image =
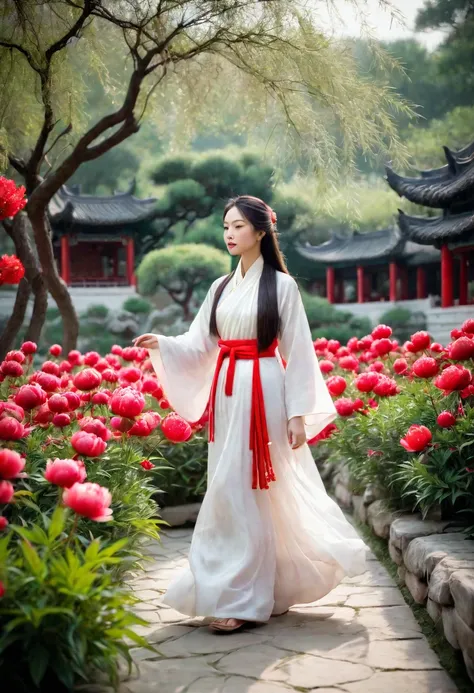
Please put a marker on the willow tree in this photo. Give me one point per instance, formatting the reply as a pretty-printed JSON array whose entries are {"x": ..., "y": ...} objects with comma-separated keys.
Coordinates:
[{"x": 184, "y": 61}]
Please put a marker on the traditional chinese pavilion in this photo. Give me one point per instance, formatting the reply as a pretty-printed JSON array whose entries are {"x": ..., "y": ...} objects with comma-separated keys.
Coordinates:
[
  {"x": 420, "y": 257},
  {"x": 94, "y": 237}
]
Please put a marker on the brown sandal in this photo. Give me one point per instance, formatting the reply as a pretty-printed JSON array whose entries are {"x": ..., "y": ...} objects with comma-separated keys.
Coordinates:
[{"x": 223, "y": 629}]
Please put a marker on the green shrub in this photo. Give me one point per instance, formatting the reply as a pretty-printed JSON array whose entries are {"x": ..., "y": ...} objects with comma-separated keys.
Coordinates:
[
  {"x": 97, "y": 311},
  {"x": 137, "y": 304},
  {"x": 403, "y": 322}
]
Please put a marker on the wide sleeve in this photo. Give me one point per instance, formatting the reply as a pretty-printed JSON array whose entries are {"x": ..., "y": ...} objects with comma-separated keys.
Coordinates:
[
  {"x": 185, "y": 364},
  {"x": 306, "y": 393}
]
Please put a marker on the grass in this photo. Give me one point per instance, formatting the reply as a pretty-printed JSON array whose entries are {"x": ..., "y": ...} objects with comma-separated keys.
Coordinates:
[{"x": 450, "y": 659}]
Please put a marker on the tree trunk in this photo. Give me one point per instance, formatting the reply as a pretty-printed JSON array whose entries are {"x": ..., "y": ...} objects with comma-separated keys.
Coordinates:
[
  {"x": 56, "y": 286},
  {"x": 15, "y": 320},
  {"x": 18, "y": 232}
]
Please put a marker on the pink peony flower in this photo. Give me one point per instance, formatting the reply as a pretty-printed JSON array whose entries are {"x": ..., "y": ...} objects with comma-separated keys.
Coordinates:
[
  {"x": 61, "y": 420},
  {"x": 88, "y": 444},
  {"x": 11, "y": 369},
  {"x": 65, "y": 473},
  {"x": 51, "y": 367},
  {"x": 95, "y": 426},
  {"x": 47, "y": 381},
  {"x": 416, "y": 439},
  {"x": 11, "y": 429},
  {"x": 30, "y": 396},
  {"x": 89, "y": 500},
  {"x": 88, "y": 379},
  {"x": 11, "y": 464},
  {"x": 58, "y": 403}
]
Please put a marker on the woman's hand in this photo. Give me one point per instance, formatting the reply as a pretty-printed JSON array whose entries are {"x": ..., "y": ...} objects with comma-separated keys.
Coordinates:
[
  {"x": 296, "y": 432},
  {"x": 146, "y": 341}
]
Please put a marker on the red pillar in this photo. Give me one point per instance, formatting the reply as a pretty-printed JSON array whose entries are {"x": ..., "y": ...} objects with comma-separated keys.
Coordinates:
[
  {"x": 463, "y": 279},
  {"x": 65, "y": 260},
  {"x": 360, "y": 285},
  {"x": 420, "y": 282},
  {"x": 447, "y": 295},
  {"x": 404, "y": 283},
  {"x": 130, "y": 261},
  {"x": 393, "y": 272},
  {"x": 331, "y": 284}
]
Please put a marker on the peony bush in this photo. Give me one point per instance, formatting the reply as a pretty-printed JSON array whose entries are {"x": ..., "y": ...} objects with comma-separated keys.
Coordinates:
[
  {"x": 406, "y": 418},
  {"x": 82, "y": 438}
]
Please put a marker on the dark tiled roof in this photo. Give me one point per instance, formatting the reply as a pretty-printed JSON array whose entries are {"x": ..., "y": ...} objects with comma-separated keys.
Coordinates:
[
  {"x": 444, "y": 188},
  {"x": 358, "y": 247},
  {"x": 456, "y": 160},
  {"x": 70, "y": 207},
  {"x": 437, "y": 230}
]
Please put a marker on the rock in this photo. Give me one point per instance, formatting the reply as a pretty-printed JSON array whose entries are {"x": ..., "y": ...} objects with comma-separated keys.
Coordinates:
[
  {"x": 438, "y": 587},
  {"x": 343, "y": 495},
  {"x": 424, "y": 553},
  {"x": 418, "y": 588},
  {"x": 177, "y": 515},
  {"x": 401, "y": 572},
  {"x": 461, "y": 585},
  {"x": 395, "y": 554},
  {"x": 465, "y": 636},
  {"x": 449, "y": 626},
  {"x": 434, "y": 610},
  {"x": 408, "y": 527},
  {"x": 371, "y": 494},
  {"x": 360, "y": 510},
  {"x": 327, "y": 470},
  {"x": 380, "y": 517}
]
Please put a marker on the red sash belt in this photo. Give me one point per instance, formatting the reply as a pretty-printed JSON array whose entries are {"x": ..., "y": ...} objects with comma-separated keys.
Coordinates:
[{"x": 262, "y": 470}]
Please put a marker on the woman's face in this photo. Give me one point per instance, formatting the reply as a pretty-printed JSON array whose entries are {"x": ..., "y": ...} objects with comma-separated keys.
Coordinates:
[{"x": 239, "y": 234}]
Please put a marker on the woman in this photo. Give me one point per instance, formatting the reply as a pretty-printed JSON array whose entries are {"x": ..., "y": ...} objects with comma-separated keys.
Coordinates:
[{"x": 268, "y": 536}]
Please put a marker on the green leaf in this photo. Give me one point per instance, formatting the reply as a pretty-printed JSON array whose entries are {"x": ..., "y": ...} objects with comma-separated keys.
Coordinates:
[
  {"x": 57, "y": 523},
  {"x": 32, "y": 558},
  {"x": 38, "y": 659}
]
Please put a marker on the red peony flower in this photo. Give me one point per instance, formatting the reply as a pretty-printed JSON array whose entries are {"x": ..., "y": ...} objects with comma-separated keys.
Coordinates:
[
  {"x": 164, "y": 404},
  {"x": 381, "y": 347},
  {"x": 425, "y": 367},
  {"x": 73, "y": 399},
  {"x": 11, "y": 269},
  {"x": 65, "y": 473},
  {"x": 61, "y": 420},
  {"x": 326, "y": 366},
  {"x": 116, "y": 349},
  {"x": 421, "y": 340},
  {"x": 88, "y": 444},
  {"x": 385, "y": 387},
  {"x": 11, "y": 429},
  {"x": 382, "y": 332},
  {"x": 2, "y": 589},
  {"x": 349, "y": 363},
  {"x": 15, "y": 355},
  {"x": 92, "y": 358},
  {"x": 11, "y": 369},
  {"x": 9, "y": 408},
  {"x": 89, "y": 500},
  {"x": 333, "y": 345},
  {"x": 376, "y": 366},
  {"x": 365, "y": 382},
  {"x": 468, "y": 326},
  {"x": 453, "y": 378},
  {"x": 461, "y": 350},
  {"x": 344, "y": 406},
  {"x": 336, "y": 385},
  {"x": 400, "y": 366},
  {"x": 130, "y": 375},
  {"x": 29, "y": 348},
  {"x": 109, "y": 375},
  {"x": 58, "y": 403},
  {"x": 12, "y": 198},
  {"x": 129, "y": 353},
  {"x": 145, "y": 424},
  {"x": 455, "y": 334},
  {"x": 88, "y": 379},
  {"x": 121, "y": 424},
  {"x": 417, "y": 438},
  {"x": 353, "y": 344},
  {"x": 48, "y": 382},
  {"x": 146, "y": 464},
  {"x": 127, "y": 402},
  {"x": 11, "y": 464},
  {"x": 101, "y": 397},
  {"x": 175, "y": 428},
  {"x": 320, "y": 345},
  {"x": 6, "y": 491},
  {"x": 3, "y": 524},
  {"x": 467, "y": 392},
  {"x": 446, "y": 419},
  {"x": 437, "y": 347},
  {"x": 44, "y": 415},
  {"x": 51, "y": 367},
  {"x": 55, "y": 350}
]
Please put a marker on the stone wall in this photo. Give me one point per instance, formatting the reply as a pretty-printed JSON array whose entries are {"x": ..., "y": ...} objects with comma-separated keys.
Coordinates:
[{"x": 435, "y": 562}]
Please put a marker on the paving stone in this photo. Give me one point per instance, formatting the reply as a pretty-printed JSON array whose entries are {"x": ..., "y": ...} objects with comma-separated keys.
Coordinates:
[
  {"x": 169, "y": 675},
  {"x": 307, "y": 671},
  {"x": 388, "y": 623},
  {"x": 239, "y": 684},
  {"x": 203, "y": 641},
  {"x": 388, "y": 596},
  {"x": 403, "y": 682}
]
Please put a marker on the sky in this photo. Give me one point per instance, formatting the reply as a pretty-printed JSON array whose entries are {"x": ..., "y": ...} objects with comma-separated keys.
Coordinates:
[{"x": 346, "y": 20}]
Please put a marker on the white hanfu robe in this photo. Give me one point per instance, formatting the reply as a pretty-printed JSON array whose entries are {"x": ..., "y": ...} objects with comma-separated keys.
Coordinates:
[{"x": 257, "y": 552}]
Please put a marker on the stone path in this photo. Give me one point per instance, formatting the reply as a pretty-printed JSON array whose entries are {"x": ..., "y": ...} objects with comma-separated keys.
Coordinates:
[{"x": 361, "y": 638}]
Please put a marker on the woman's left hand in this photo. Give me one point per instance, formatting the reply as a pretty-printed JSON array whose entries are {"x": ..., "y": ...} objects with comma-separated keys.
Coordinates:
[{"x": 296, "y": 432}]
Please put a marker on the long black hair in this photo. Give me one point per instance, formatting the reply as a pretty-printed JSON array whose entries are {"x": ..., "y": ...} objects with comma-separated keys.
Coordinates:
[{"x": 259, "y": 215}]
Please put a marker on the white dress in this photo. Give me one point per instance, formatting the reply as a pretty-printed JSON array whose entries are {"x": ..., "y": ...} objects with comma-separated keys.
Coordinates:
[{"x": 257, "y": 552}]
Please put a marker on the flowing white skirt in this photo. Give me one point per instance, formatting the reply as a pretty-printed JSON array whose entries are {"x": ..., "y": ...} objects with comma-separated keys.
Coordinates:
[{"x": 258, "y": 552}]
